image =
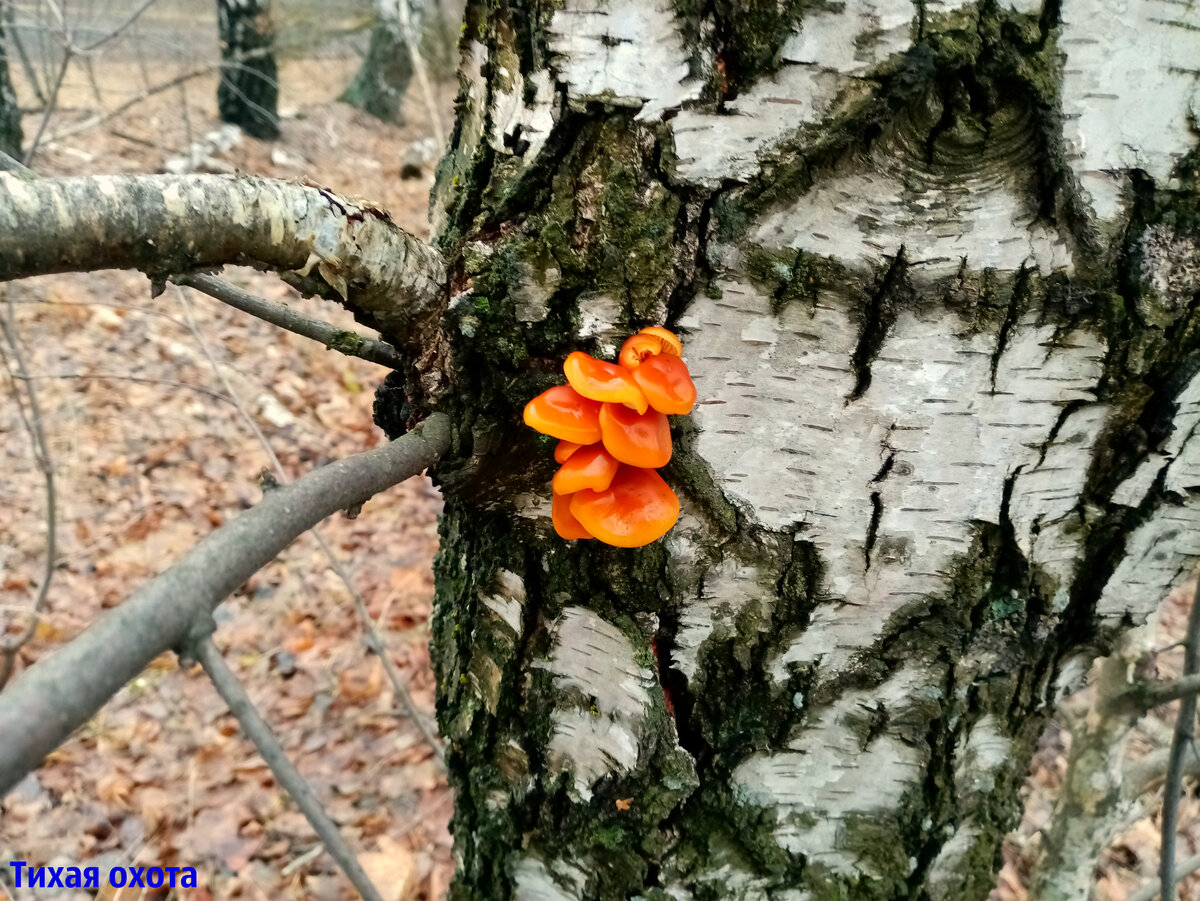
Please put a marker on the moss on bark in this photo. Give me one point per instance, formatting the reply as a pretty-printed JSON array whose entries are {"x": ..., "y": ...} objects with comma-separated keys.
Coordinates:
[{"x": 594, "y": 238}]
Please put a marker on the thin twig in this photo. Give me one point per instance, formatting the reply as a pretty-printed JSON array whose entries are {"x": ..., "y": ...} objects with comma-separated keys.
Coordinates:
[
  {"x": 14, "y": 37},
  {"x": 1152, "y": 890},
  {"x": 372, "y": 638},
  {"x": 347, "y": 342},
  {"x": 118, "y": 31},
  {"x": 303, "y": 860},
  {"x": 285, "y": 771},
  {"x": 1184, "y": 728},
  {"x": 41, "y": 454},
  {"x": 62, "y": 691},
  {"x": 101, "y": 118},
  {"x": 1144, "y": 696},
  {"x": 375, "y": 643},
  {"x": 121, "y": 377},
  {"x": 12, "y": 164},
  {"x": 49, "y": 111},
  {"x": 414, "y": 50}
]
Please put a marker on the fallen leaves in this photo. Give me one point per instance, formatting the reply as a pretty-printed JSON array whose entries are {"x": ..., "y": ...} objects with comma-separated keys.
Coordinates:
[
  {"x": 392, "y": 869},
  {"x": 164, "y": 775}
]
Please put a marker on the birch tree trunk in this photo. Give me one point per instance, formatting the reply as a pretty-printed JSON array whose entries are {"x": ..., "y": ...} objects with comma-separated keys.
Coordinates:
[
  {"x": 936, "y": 268},
  {"x": 248, "y": 94},
  {"x": 10, "y": 111},
  {"x": 382, "y": 80}
]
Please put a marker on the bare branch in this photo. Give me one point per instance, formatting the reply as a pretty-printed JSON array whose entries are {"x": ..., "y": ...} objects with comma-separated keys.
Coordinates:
[
  {"x": 319, "y": 241},
  {"x": 374, "y": 641},
  {"x": 1092, "y": 805},
  {"x": 60, "y": 693},
  {"x": 117, "y": 31},
  {"x": 41, "y": 453},
  {"x": 412, "y": 38},
  {"x": 15, "y": 38},
  {"x": 349, "y": 343},
  {"x": 1146, "y": 774},
  {"x": 276, "y": 758},
  {"x": 11, "y": 164},
  {"x": 100, "y": 118},
  {"x": 1143, "y": 696},
  {"x": 1152, "y": 890},
  {"x": 50, "y": 104},
  {"x": 1185, "y": 724},
  {"x": 120, "y": 377}
]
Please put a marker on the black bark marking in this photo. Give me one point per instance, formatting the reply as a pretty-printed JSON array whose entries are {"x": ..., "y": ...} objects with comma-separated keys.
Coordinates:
[
  {"x": 873, "y": 526},
  {"x": 877, "y": 318},
  {"x": 1011, "y": 314}
]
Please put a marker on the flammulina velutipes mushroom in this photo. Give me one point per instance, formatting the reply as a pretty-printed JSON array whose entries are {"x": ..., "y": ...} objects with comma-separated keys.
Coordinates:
[{"x": 611, "y": 422}]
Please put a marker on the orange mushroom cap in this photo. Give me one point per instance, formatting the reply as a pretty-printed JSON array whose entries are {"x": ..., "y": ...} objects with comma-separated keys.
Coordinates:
[
  {"x": 565, "y": 523},
  {"x": 602, "y": 381},
  {"x": 637, "y": 348},
  {"x": 592, "y": 467},
  {"x": 562, "y": 413},
  {"x": 670, "y": 341},
  {"x": 564, "y": 449},
  {"x": 638, "y": 508},
  {"x": 667, "y": 384},
  {"x": 639, "y": 439}
]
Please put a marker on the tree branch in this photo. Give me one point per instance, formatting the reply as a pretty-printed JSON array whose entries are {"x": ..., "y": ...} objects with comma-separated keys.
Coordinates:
[
  {"x": 41, "y": 453},
  {"x": 1184, "y": 729},
  {"x": 349, "y": 343},
  {"x": 319, "y": 241},
  {"x": 1152, "y": 890},
  {"x": 276, "y": 758},
  {"x": 375, "y": 643},
  {"x": 1141, "y": 697},
  {"x": 1092, "y": 804},
  {"x": 60, "y": 693},
  {"x": 9, "y": 164}
]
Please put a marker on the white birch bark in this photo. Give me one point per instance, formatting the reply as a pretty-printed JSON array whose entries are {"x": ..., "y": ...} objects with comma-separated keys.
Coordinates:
[{"x": 888, "y": 424}]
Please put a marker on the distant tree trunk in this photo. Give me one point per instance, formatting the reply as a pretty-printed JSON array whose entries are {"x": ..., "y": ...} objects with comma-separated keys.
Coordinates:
[
  {"x": 937, "y": 268},
  {"x": 248, "y": 95},
  {"x": 382, "y": 80},
  {"x": 10, "y": 112}
]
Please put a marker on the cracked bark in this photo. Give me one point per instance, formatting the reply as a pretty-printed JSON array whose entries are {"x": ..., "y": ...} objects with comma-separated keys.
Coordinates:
[
  {"x": 911, "y": 331},
  {"x": 319, "y": 241}
]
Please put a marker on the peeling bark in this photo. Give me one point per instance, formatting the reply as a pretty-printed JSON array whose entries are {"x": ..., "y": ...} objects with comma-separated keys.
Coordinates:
[
  {"x": 319, "y": 241},
  {"x": 943, "y": 449}
]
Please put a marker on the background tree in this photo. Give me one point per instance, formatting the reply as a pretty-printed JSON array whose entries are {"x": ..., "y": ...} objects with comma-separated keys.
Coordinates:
[
  {"x": 382, "y": 80},
  {"x": 936, "y": 266},
  {"x": 248, "y": 94},
  {"x": 10, "y": 112}
]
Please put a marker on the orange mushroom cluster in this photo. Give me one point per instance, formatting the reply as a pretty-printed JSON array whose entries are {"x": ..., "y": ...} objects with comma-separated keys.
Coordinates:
[{"x": 611, "y": 422}]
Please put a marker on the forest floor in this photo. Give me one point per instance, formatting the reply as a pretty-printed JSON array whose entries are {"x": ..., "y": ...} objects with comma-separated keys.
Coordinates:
[{"x": 150, "y": 453}]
